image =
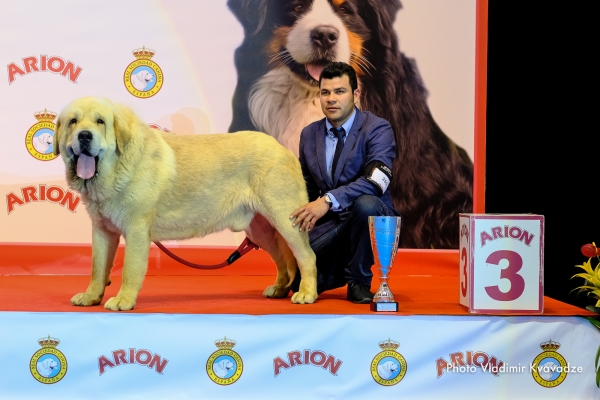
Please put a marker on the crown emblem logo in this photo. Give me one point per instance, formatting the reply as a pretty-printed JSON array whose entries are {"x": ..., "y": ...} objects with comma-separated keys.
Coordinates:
[
  {"x": 389, "y": 366},
  {"x": 389, "y": 345},
  {"x": 224, "y": 366},
  {"x": 143, "y": 78},
  {"x": 48, "y": 342},
  {"x": 45, "y": 116},
  {"x": 545, "y": 366},
  {"x": 143, "y": 53},
  {"x": 225, "y": 344},
  {"x": 550, "y": 345},
  {"x": 48, "y": 365}
]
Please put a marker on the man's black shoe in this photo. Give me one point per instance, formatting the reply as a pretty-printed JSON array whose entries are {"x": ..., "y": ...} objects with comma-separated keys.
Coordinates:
[{"x": 359, "y": 294}]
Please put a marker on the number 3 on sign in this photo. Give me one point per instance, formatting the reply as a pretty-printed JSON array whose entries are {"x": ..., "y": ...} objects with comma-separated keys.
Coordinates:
[{"x": 517, "y": 283}]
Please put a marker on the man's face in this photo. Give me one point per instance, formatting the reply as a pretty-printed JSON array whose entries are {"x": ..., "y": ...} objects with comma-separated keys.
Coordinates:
[{"x": 337, "y": 99}]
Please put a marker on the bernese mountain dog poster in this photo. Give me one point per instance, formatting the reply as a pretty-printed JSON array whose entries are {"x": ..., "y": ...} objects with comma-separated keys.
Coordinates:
[{"x": 286, "y": 45}]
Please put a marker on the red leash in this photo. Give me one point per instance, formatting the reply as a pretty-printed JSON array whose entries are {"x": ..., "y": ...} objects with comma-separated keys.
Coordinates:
[{"x": 245, "y": 247}]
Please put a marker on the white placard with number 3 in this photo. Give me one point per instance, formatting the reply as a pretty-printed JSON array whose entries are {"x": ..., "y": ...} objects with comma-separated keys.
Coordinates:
[{"x": 501, "y": 263}]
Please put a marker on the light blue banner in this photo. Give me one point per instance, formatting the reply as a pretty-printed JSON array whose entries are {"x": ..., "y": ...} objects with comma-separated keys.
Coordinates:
[{"x": 99, "y": 355}]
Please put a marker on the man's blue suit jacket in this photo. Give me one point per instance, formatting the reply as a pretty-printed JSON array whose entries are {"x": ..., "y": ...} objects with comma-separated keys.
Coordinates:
[{"x": 370, "y": 139}]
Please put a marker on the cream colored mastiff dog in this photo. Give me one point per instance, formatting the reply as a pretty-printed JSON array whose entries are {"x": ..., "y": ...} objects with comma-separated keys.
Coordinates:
[{"x": 149, "y": 186}]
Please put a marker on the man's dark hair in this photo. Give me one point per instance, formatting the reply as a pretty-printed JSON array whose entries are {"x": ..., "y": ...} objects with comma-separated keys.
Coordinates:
[{"x": 337, "y": 70}]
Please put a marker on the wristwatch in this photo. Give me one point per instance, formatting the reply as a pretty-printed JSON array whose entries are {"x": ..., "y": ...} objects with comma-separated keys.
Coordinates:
[{"x": 327, "y": 200}]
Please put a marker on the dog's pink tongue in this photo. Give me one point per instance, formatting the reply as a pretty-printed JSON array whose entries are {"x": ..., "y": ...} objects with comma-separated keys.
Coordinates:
[
  {"x": 314, "y": 70},
  {"x": 86, "y": 166}
]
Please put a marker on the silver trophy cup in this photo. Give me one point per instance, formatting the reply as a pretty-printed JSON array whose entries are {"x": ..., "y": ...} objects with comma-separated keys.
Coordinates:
[{"x": 385, "y": 232}]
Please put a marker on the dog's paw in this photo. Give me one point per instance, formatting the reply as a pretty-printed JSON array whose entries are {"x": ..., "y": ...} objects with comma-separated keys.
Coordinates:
[
  {"x": 304, "y": 297},
  {"x": 84, "y": 299},
  {"x": 119, "y": 304},
  {"x": 278, "y": 292}
]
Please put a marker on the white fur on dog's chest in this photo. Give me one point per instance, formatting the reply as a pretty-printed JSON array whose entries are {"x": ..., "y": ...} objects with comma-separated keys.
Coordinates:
[{"x": 281, "y": 105}]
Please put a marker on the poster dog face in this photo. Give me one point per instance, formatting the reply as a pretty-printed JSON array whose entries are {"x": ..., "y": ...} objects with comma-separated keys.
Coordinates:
[
  {"x": 148, "y": 185},
  {"x": 285, "y": 47}
]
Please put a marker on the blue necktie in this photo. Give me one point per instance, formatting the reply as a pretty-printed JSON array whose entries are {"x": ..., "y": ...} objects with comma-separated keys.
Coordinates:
[{"x": 339, "y": 133}]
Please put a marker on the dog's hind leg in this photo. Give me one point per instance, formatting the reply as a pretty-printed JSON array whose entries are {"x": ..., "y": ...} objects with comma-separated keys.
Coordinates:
[
  {"x": 298, "y": 245},
  {"x": 266, "y": 237},
  {"x": 305, "y": 257},
  {"x": 282, "y": 191},
  {"x": 104, "y": 249}
]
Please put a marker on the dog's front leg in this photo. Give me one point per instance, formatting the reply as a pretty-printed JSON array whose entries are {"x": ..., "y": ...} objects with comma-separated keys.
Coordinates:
[
  {"x": 135, "y": 264},
  {"x": 104, "y": 249}
]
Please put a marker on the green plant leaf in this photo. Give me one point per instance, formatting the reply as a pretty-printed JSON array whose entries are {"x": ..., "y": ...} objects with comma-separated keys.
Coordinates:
[
  {"x": 594, "y": 295},
  {"x": 584, "y": 288},
  {"x": 593, "y": 320}
]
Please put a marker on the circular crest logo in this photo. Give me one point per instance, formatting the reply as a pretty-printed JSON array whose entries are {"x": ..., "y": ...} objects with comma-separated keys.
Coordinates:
[
  {"x": 40, "y": 137},
  {"x": 388, "y": 367},
  {"x": 48, "y": 365},
  {"x": 549, "y": 367},
  {"x": 143, "y": 78},
  {"x": 224, "y": 366}
]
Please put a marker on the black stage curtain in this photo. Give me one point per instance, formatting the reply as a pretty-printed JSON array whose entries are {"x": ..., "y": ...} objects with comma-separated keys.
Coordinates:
[{"x": 541, "y": 143}]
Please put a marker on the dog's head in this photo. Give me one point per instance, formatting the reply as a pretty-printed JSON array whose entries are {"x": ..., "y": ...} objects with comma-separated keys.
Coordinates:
[
  {"x": 49, "y": 364},
  {"x": 46, "y": 367},
  {"x": 87, "y": 130},
  {"x": 43, "y": 142},
  {"x": 304, "y": 35},
  {"x": 141, "y": 79}
]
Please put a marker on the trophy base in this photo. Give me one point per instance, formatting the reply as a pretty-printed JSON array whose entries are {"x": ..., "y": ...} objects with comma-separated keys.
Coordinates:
[{"x": 384, "y": 306}]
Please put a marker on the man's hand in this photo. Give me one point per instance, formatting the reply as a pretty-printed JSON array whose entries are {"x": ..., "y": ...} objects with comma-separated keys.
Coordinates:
[{"x": 308, "y": 215}]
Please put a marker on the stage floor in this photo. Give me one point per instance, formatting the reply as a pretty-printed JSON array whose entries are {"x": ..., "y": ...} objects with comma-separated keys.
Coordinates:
[
  {"x": 44, "y": 278},
  {"x": 416, "y": 295}
]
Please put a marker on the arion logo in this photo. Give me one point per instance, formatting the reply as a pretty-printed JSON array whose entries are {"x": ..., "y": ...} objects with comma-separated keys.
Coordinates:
[
  {"x": 54, "y": 64},
  {"x": 132, "y": 356},
  {"x": 469, "y": 362},
  {"x": 316, "y": 358},
  {"x": 53, "y": 194}
]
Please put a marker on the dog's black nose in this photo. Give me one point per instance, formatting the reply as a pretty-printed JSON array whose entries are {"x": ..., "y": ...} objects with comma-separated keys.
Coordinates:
[
  {"x": 324, "y": 36},
  {"x": 85, "y": 137}
]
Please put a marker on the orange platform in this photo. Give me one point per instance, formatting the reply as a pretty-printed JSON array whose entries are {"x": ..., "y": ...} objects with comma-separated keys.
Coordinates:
[{"x": 42, "y": 278}]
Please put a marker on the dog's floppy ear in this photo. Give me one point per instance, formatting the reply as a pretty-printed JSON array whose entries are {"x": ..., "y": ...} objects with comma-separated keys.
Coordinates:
[
  {"x": 55, "y": 139},
  {"x": 123, "y": 120},
  {"x": 250, "y": 13},
  {"x": 386, "y": 59},
  {"x": 379, "y": 16}
]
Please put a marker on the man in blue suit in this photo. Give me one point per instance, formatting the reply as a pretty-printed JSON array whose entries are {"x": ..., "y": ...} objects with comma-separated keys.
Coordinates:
[{"x": 346, "y": 160}]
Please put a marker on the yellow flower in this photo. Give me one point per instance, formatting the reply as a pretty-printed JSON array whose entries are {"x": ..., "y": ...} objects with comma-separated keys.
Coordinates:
[{"x": 591, "y": 276}]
